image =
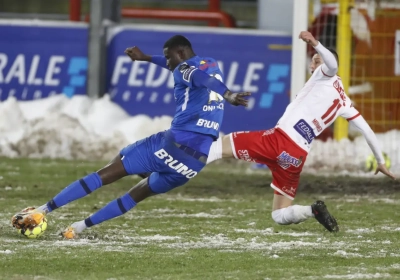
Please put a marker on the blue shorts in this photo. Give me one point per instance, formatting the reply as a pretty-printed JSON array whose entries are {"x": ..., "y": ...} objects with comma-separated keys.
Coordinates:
[{"x": 171, "y": 167}]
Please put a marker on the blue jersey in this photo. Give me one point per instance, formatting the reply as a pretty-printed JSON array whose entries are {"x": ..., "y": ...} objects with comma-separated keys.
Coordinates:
[
  {"x": 176, "y": 155},
  {"x": 198, "y": 109}
]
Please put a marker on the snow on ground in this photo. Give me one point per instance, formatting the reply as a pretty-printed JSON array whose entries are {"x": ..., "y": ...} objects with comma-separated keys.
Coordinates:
[
  {"x": 76, "y": 128},
  {"x": 84, "y": 128},
  {"x": 359, "y": 276}
]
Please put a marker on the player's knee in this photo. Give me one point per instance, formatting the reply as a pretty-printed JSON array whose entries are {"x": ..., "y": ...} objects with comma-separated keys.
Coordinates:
[{"x": 141, "y": 191}]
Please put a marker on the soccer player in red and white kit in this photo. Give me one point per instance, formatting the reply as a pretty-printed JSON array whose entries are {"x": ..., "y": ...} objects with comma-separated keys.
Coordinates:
[{"x": 284, "y": 148}]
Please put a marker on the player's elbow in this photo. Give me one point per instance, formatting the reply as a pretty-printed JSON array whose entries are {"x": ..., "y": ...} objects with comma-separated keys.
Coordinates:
[
  {"x": 333, "y": 68},
  {"x": 362, "y": 126},
  {"x": 329, "y": 70}
]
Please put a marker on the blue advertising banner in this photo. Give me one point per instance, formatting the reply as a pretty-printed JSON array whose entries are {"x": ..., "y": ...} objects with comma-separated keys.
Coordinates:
[
  {"x": 258, "y": 63},
  {"x": 39, "y": 61}
]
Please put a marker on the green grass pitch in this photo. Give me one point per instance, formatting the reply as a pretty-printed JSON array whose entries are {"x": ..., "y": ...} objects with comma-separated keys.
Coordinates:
[{"x": 218, "y": 226}]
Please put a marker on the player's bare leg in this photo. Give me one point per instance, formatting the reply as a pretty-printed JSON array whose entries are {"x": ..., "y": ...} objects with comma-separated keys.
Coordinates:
[
  {"x": 284, "y": 213},
  {"x": 110, "y": 173},
  {"x": 113, "y": 171},
  {"x": 221, "y": 148},
  {"x": 141, "y": 191},
  {"x": 280, "y": 202},
  {"x": 144, "y": 175}
]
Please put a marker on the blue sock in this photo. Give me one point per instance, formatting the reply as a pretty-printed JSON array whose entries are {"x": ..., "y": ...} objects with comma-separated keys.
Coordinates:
[
  {"x": 113, "y": 209},
  {"x": 77, "y": 189}
]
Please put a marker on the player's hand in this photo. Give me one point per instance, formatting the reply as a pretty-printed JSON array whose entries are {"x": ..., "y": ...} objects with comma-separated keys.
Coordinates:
[
  {"x": 308, "y": 38},
  {"x": 237, "y": 99},
  {"x": 382, "y": 168},
  {"x": 136, "y": 54}
]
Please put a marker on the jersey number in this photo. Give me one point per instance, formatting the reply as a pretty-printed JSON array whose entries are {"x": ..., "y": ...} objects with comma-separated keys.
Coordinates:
[{"x": 329, "y": 116}]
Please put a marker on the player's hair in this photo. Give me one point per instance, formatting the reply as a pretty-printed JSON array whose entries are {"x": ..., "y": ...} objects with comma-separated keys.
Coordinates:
[
  {"x": 334, "y": 53},
  {"x": 177, "y": 41}
]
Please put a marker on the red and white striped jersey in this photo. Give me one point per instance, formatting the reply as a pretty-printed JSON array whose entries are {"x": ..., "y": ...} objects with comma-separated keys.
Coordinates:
[{"x": 316, "y": 106}]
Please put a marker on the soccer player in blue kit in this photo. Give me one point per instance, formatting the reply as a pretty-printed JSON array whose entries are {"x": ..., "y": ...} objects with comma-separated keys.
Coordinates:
[{"x": 173, "y": 156}]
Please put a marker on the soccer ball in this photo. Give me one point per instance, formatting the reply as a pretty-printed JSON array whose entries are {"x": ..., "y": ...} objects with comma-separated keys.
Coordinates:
[
  {"x": 36, "y": 231},
  {"x": 371, "y": 163}
]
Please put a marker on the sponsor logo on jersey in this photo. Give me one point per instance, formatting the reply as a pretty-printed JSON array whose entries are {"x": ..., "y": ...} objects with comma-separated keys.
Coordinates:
[
  {"x": 213, "y": 96},
  {"x": 235, "y": 134},
  {"x": 208, "y": 124},
  {"x": 268, "y": 132},
  {"x": 204, "y": 66},
  {"x": 340, "y": 90},
  {"x": 208, "y": 108},
  {"x": 317, "y": 125},
  {"x": 244, "y": 155},
  {"x": 174, "y": 164},
  {"x": 289, "y": 190},
  {"x": 305, "y": 130},
  {"x": 285, "y": 160}
]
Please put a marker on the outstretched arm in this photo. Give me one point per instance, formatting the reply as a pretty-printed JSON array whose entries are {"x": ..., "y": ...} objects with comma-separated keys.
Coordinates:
[
  {"x": 136, "y": 54},
  {"x": 330, "y": 66},
  {"x": 360, "y": 123},
  {"x": 160, "y": 60}
]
